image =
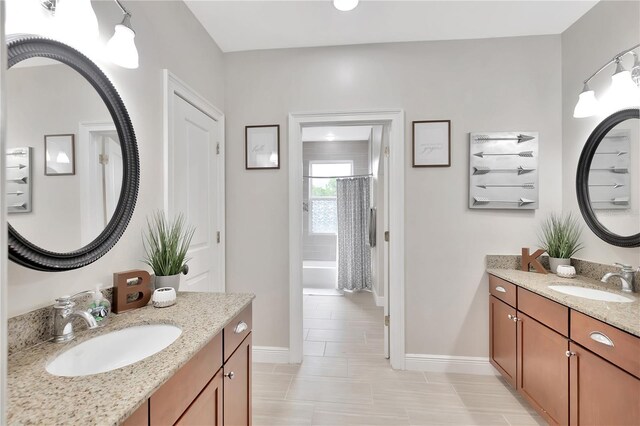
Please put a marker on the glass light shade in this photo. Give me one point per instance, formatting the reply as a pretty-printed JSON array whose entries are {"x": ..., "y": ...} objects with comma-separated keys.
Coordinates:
[
  {"x": 623, "y": 93},
  {"x": 345, "y": 5},
  {"x": 587, "y": 105},
  {"x": 76, "y": 20},
  {"x": 121, "y": 48}
]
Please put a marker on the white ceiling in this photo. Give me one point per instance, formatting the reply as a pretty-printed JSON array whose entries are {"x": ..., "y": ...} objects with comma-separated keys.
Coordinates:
[
  {"x": 252, "y": 25},
  {"x": 336, "y": 133}
]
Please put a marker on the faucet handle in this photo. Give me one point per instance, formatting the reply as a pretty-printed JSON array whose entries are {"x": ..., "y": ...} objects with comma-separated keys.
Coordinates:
[
  {"x": 68, "y": 300},
  {"x": 625, "y": 267}
]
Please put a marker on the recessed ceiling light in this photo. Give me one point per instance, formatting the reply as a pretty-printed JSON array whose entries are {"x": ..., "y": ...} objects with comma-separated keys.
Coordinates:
[
  {"x": 345, "y": 5},
  {"x": 331, "y": 137}
]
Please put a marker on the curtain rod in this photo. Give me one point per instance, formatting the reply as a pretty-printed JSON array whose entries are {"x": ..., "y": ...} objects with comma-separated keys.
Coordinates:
[{"x": 336, "y": 177}]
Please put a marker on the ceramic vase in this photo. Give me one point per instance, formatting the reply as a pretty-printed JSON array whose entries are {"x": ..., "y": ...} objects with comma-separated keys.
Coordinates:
[
  {"x": 554, "y": 262},
  {"x": 167, "y": 281}
]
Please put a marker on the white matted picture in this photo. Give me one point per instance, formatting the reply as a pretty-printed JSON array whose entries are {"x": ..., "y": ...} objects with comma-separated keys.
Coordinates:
[
  {"x": 59, "y": 155},
  {"x": 262, "y": 147},
  {"x": 432, "y": 143}
]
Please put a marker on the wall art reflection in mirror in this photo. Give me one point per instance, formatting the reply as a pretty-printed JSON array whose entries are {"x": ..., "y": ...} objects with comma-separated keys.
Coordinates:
[
  {"x": 59, "y": 155},
  {"x": 18, "y": 175}
]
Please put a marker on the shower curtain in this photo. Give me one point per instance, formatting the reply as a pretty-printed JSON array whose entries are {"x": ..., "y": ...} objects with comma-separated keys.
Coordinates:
[{"x": 354, "y": 255}]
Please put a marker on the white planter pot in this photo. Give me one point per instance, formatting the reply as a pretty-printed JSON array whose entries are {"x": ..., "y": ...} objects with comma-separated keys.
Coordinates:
[
  {"x": 554, "y": 262},
  {"x": 167, "y": 281}
]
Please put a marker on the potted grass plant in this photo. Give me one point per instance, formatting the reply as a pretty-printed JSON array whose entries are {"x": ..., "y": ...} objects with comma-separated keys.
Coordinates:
[
  {"x": 560, "y": 238},
  {"x": 166, "y": 244}
]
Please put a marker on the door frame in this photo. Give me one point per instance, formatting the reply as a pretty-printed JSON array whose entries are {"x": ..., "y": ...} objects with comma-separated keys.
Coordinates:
[
  {"x": 395, "y": 119},
  {"x": 3, "y": 219},
  {"x": 86, "y": 152},
  {"x": 174, "y": 86}
]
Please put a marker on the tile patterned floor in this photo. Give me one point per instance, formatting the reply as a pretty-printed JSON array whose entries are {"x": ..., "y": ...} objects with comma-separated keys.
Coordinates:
[{"x": 345, "y": 380}]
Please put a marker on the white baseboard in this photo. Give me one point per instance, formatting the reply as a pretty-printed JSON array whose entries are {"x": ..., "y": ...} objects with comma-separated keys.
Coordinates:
[
  {"x": 270, "y": 354},
  {"x": 378, "y": 299},
  {"x": 449, "y": 364}
]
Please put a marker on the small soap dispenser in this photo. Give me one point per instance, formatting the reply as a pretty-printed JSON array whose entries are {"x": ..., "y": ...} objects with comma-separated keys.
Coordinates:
[{"x": 99, "y": 307}]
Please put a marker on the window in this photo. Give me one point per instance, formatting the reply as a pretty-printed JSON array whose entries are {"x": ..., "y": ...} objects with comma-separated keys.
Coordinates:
[{"x": 322, "y": 195}]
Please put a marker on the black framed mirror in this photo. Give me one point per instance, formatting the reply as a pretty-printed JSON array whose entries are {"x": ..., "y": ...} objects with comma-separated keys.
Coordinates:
[
  {"x": 608, "y": 179},
  {"x": 62, "y": 179}
]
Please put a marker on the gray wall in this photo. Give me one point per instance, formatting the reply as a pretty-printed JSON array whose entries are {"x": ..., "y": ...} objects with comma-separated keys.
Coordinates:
[
  {"x": 316, "y": 246},
  {"x": 481, "y": 85},
  {"x": 167, "y": 36},
  {"x": 608, "y": 28}
]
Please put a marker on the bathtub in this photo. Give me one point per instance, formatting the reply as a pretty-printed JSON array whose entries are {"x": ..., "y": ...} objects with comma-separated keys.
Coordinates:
[{"x": 319, "y": 274}]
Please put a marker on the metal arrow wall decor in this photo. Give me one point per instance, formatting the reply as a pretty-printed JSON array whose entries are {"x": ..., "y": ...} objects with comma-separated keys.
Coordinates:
[
  {"x": 611, "y": 172},
  {"x": 18, "y": 180},
  {"x": 503, "y": 170}
]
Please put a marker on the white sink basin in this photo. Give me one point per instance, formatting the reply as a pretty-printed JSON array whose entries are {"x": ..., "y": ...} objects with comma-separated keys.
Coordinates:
[
  {"x": 591, "y": 293},
  {"x": 113, "y": 350}
]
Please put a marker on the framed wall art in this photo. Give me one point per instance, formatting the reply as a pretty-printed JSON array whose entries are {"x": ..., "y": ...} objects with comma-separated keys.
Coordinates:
[
  {"x": 262, "y": 147},
  {"x": 59, "y": 155},
  {"x": 432, "y": 143}
]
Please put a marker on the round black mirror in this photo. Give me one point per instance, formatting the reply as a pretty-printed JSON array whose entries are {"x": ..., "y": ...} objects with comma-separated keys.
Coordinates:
[
  {"x": 67, "y": 211},
  {"x": 608, "y": 179}
]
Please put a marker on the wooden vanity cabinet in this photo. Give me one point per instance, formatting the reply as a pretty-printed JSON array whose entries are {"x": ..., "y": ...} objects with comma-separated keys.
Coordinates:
[
  {"x": 212, "y": 388},
  {"x": 601, "y": 393},
  {"x": 573, "y": 369},
  {"x": 502, "y": 338},
  {"x": 543, "y": 369}
]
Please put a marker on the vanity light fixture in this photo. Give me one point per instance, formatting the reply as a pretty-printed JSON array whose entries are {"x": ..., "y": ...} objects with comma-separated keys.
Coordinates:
[
  {"x": 74, "y": 18},
  {"x": 77, "y": 21},
  {"x": 121, "y": 48},
  {"x": 345, "y": 5},
  {"x": 623, "y": 93}
]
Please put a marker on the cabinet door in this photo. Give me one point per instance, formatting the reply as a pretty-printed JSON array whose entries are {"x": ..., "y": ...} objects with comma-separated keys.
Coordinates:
[
  {"x": 543, "y": 369},
  {"x": 207, "y": 408},
  {"x": 237, "y": 386},
  {"x": 502, "y": 338},
  {"x": 601, "y": 393}
]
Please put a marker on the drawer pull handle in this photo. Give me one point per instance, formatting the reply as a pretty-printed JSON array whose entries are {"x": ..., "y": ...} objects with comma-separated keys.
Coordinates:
[
  {"x": 601, "y": 338},
  {"x": 501, "y": 289},
  {"x": 570, "y": 354},
  {"x": 230, "y": 375},
  {"x": 241, "y": 327}
]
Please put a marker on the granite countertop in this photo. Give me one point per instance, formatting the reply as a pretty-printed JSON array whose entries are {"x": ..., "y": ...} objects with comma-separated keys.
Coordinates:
[
  {"x": 37, "y": 397},
  {"x": 625, "y": 316}
]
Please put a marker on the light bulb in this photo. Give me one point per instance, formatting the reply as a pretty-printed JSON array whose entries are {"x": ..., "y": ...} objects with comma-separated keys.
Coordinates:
[
  {"x": 345, "y": 5},
  {"x": 121, "y": 48},
  {"x": 622, "y": 94},
  {"x": 587, "y": 105},
  {"x": 76, "y": 21}
]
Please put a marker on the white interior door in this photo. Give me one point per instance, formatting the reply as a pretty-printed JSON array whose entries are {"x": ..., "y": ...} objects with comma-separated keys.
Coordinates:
[{"x": 192, "y": 189}]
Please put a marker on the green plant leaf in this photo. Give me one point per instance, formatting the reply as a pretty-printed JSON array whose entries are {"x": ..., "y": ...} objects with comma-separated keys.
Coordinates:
[
  {"x": 559, "y": 236},
  {"x": 166, "y": 243}
]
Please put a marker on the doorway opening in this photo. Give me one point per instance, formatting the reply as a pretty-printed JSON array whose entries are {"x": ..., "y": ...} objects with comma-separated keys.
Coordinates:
[{"x": 346, "y": 181}]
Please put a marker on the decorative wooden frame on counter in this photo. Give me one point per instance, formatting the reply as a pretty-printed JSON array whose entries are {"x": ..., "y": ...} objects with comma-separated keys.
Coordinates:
[
  {"x": 431, "y": 143},
  {"x": 61, "y": 161},
  {"x": 262, "y": 147}
]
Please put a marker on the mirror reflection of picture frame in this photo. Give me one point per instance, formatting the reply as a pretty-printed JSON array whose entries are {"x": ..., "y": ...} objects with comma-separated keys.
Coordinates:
[
  {"x": 432, "y": 143},
  {"x": 59, "y": 155},
  {"x": 262, "y": 147}
]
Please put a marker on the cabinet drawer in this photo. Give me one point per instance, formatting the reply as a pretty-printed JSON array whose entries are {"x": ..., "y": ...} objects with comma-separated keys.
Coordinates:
[
  {"x": 236, "y": 331},
  {"x": 140, "y": 417},
  {"x": 503, "y": 290},
  {"x": 552, "y": 314},
  {"x": 169, "y": 402},
  {"x": 616, "y": 346}
]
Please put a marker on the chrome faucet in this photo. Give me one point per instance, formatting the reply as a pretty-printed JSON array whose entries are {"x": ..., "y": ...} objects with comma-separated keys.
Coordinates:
[
  {"x": 63, "y": 315},
  {"x": 627, "y": 276}
]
